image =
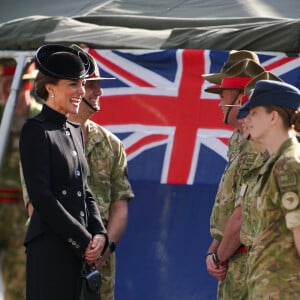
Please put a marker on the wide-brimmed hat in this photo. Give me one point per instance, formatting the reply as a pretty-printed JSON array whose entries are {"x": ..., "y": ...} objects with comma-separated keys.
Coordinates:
[
  {"x": 266, "y": 75},
  {"x": 234, "y": 57},
  {"x": 91, "y": 75},
  {"x": 245, "y": 68},
  {"x": 63, "y": 62},
  {"x": 273, "y": 93}
]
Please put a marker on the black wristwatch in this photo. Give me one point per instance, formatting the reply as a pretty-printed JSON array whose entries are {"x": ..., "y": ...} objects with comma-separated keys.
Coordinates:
[
  {"x": 112, "y": 246},
  {"x": 215, "y": 258}
]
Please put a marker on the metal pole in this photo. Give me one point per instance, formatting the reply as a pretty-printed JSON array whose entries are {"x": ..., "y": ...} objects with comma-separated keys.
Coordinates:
[{"x": 10, "y": 106}]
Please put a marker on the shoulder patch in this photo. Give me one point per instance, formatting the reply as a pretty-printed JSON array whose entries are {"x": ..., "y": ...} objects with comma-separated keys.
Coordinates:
[
  {"x": 285, "y": 180},
  {"x": 290, "y": 200}
]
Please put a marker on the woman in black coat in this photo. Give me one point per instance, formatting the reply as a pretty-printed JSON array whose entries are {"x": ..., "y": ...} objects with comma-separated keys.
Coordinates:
[{"x": 65, "y": 226}]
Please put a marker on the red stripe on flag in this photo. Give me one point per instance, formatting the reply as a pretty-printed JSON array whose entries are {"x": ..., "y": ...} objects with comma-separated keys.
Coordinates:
[
  {"x": 144, "y": 141},
  {"x": 279, "y": 63}
]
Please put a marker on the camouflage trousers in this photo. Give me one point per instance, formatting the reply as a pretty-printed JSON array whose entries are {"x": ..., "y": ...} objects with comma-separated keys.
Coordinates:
[
  {"x": 12, "y": 231},
  {"x": 234, "y": 287},
  {"x": 108, "y": 273}
]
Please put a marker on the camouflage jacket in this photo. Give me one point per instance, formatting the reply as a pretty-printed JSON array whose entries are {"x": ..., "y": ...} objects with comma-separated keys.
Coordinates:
[
  {"x": 108, "y": 177},
  {"x": 274, "y": 263},
  {"x": 228, "y": 187},
  {"x": 250, "y": 164}
]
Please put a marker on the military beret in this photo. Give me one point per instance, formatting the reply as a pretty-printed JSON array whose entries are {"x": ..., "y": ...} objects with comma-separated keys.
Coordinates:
[
  {"x": 273, "y": 93},
  {"x": 266, "y": 75}
]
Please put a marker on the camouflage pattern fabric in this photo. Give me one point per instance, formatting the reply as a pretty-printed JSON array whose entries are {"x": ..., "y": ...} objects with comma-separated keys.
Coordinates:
[
  {"x": 250, "y": 164},
  {"x": 12, "y": 214},
  {"x": 234, "y": 145},
  {"x": 274, "y": 263},
  {"x": 108, "y": 274},
  {"x": 226, "y": 194},
  {"x": 233, "y": 150},
  {"x": 234, "y": 286},
  {"x": 108, "y": 180}
]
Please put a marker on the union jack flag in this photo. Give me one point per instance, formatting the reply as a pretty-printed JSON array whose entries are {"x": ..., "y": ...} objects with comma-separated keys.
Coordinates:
[{"x": 171, "y": 129}]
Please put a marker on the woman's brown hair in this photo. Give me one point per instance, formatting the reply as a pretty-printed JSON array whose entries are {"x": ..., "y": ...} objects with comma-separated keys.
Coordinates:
[
  {"x": 290, "y": 117},
  {"x": 40, "y": 85}
]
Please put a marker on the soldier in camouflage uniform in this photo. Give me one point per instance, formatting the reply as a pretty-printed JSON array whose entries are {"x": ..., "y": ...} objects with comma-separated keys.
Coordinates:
[
  {"x": 108, "y": 179},
  {"x": 274, "y": 259},
  {"x": 248, "y": 166},
  {"x": 12, "y": 213},
  {"x": 232, "y": 285},
  {"x": 231, "y": 272}
]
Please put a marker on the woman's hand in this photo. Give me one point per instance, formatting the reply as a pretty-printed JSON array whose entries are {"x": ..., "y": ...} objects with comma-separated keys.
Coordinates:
[
  {"x": 94, "y": 249},
  {"x": 102, "y": 261}
]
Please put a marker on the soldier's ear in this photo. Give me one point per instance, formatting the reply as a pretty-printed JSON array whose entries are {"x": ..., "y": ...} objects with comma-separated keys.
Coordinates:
[
  {"x": 275, "y": 116},
  {"x": 239, "y": 99}
]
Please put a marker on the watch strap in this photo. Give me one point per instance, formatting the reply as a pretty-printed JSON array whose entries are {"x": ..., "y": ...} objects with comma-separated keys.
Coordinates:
[{"x": 112, "y": 246}]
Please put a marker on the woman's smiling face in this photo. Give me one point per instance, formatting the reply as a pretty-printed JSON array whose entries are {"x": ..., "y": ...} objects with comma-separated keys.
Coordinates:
[{"x": 66, "y": 95}]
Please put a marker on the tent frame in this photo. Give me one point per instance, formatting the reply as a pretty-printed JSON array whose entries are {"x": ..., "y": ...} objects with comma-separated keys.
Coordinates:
[{"x": 22, "y": 59}]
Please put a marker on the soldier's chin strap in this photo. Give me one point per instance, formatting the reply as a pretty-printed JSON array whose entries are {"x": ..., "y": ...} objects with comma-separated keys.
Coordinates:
[
  {"x": 90, "y": 105},
  {"x": 230, "y": 106}
]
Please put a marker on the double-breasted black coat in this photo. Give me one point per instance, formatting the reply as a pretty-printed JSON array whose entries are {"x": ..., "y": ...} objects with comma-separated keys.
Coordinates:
[{"x": 65, "y": 216}]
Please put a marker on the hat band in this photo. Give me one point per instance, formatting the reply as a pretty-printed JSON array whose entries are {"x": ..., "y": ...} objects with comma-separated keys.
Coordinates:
[
  {"x": 7, "y": 70},
  {"x": 235, "y": 82}
]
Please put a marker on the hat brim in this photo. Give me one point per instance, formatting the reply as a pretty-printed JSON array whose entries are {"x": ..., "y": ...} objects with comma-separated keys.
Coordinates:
[
  {"x": 215, "y": 78},
  {"x": 99, "y": 78},
  {"x": 242, "y": 114},
  {"x": 213, "y": 89}
]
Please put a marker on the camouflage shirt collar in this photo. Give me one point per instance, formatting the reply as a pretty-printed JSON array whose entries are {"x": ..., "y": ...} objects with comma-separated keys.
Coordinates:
[
  {"x": 274, "y": 157},
  {"x": 95, "y": 135}
]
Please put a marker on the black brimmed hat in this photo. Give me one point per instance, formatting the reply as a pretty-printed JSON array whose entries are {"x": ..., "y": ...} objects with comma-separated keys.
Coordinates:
[
  {"x": 94, "y": 73},
  {"x": 63, "y": 62}
]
